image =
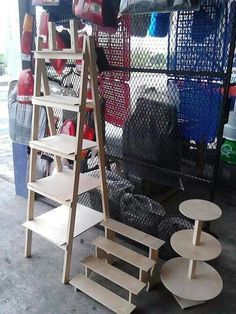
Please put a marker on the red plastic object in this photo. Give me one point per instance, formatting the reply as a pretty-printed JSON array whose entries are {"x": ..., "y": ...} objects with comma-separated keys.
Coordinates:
[
  {"x": 27, "y": 37},
  {"x": 116, "y": 46},
  {"x": 117, "y": 95},
  {"x": 25, "y": 87},
  {"x": 58, "y": 64},
  {"x": 68, "y": 128},
  {"x": 88, "y": 132},
  {"x": 90, "y": 10}
]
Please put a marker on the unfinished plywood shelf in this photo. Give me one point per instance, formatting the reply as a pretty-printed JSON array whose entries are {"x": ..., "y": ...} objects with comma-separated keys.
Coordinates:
[
  {"x": 61, "y": 102},
  {"x": 67, "y": 54},
  {"x": 113, "y": 274},
  {"x": 207, "y": 249},
  {"x": 205, "y": 286},
  {"x": 201, "y": 210},
  {"x": 61, "y": 145},
  {"x": 123, "y": 253},
  {"x": 53, "y": 224},
  {"x": 59, "y": 186},
  {"x": 191, "y": 280},
  {"x": 133, "y": 234},
  {"x": 102, "y": 295}
]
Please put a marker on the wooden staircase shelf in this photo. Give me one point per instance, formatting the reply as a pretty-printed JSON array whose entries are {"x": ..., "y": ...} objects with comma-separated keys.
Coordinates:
[
  {"x": 102, "y": 295},
  {"x": 121, "y": 252},
  {"x": 114, "y": 274},
  {"x": 133, "y": 234}
]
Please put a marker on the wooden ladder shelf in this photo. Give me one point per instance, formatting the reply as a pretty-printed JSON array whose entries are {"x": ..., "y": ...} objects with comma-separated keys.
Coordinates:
[{"x": 67, "y": 221}]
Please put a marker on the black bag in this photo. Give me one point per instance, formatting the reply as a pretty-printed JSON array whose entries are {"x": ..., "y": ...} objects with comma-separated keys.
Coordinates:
[
  {"x": 151, "y": 139},
  {"x": 117, "y": 187},
  {"x": 141, "y": 212}
]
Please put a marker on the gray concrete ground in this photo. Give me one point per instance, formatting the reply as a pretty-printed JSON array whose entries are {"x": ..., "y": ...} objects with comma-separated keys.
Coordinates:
[{"x": 33, "y": 285}]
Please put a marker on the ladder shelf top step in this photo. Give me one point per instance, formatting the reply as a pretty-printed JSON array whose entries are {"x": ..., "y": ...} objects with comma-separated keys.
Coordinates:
[
  {"x": 133, "y": 234},
  {"x": 122, "y": 252},
  {"x": 102, "y": 295},
  {"x": 61, "y": 102},
  {"x": 52, "y": 225},
  {"x": 114, "y": 274},
  {"x": 60, "y": 145},
  {"x": 59, "y": 186}
]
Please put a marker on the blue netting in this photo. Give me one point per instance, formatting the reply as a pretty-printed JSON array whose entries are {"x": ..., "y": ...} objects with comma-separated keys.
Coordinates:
[
  {"x": 199, "y": 109},
  {"x": 200, "y": 38}
]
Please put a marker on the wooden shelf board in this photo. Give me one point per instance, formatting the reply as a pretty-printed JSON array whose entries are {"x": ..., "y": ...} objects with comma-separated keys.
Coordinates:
[
  {"x": 58, "y": 187},
  {"x": 208, "y": 248},
  {"x": 122, "y": 252},
  {"x": 206, "y": 284},
  {"x": 53, "y": 224},
  {"x": 200, "y": 210},
  {"x": 186, "y": 304},
  {"x": 61, "y": 102},
  {"x": 134, "y": 234},
  {"x": 102, "y": 295},
  {"x": 66, "y": 54},
  {"x": 114, "y": 274},
  {"x": 60, "y": 145}
]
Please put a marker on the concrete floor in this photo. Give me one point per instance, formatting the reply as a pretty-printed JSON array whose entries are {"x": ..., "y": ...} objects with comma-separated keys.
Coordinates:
[{"x": 33, "y": 285}]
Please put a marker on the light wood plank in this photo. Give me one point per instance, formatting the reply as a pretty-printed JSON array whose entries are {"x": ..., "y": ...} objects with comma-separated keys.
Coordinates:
[
  {"x": 134, "y": 234},
  {"x": 102, "y": 295},
  {"x": 77, "y": 178},
  {"x": 61, "y": 145},
  {"x": 185, "y": 304},
  {"x": 206, "y": 285},
  {"x": 200, "y": 210},
  {"x": 53, "y": 224},
  {"x": 114, "y": 274},
  {"x": 59, "y": 186},
  {"x": 61, "y": 102},
  {"x": 66, "y": 54},
  {"x": 98, "y": 126},
  {"x": 124, "y": 253},
  {"x": 208, "y": 248},
  {"x": 33, "y": 154},
  {"x": 52, "y": 36},
  {"x": 192, "y": 269}
]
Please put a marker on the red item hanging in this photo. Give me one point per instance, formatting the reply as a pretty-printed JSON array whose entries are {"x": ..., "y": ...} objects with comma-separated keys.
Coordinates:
[
  {"x": 25, "y": 87},
  {"x": 27, "y": 37},
  {"x": 100, "y": 12},
  {"x": 68, "y": 128},
  {"x": 59, "y": 64},
  {"x": 88, "y": 132}
]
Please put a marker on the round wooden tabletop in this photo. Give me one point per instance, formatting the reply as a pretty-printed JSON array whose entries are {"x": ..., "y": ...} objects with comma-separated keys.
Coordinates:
[
  {"x": 200, "y": 210},
  {"x": 206, "y": 284},
  {"x": 208, "y": 248}
]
